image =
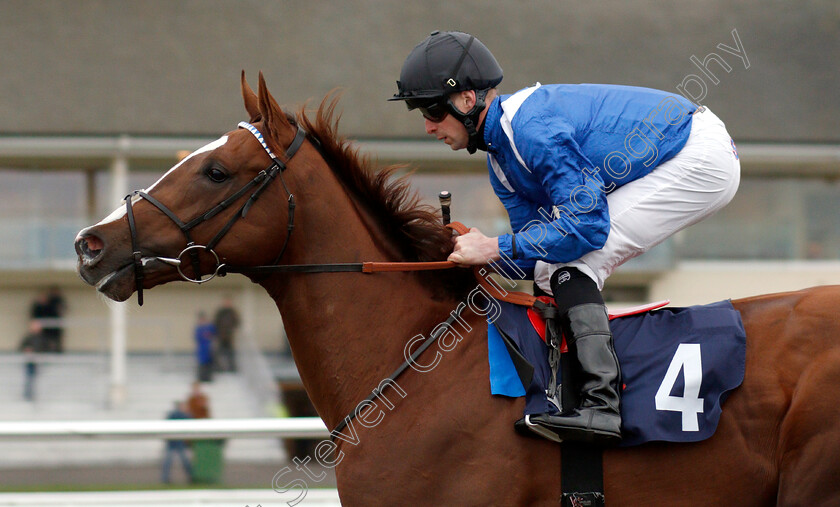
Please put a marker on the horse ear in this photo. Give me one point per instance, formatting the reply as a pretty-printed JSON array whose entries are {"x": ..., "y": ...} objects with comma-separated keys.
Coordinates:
[
  {"x": 251, "y": 101},
  {"x": 275, "y": 118}
]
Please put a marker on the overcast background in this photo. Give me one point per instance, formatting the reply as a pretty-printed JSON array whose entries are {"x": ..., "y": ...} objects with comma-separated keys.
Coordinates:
[{"x": 172, "y": 67}]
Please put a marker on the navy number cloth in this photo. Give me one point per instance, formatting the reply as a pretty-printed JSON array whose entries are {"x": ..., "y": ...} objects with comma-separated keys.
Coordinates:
[{"x": 678, "y": 365}]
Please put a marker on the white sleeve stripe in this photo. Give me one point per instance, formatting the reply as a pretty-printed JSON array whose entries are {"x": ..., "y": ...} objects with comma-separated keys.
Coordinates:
[
  {"x": 499, "y": 174},
  {"x": 509, "y": 108}
]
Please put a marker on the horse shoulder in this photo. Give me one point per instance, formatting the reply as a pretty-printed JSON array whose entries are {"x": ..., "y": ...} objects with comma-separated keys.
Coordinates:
[{"x": 449, "y": 442}]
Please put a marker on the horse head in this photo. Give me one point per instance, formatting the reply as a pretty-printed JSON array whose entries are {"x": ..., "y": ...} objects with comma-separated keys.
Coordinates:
[{"x": 216, "y": 206}]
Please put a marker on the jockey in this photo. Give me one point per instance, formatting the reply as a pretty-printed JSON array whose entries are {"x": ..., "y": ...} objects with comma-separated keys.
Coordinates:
[{"x": 591, "y": 176}]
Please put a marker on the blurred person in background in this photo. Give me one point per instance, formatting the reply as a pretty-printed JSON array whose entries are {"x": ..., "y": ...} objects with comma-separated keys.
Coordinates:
[
  {"x": 226, "y": 321},
  {"x": 205, "y": 335},
  {"x": 31, "y": 344},
  {"x": 176, "y": 447},
  {"x": 57, "y": 307},
  {"x": 198, "y": 405},
  {"x": 49, "y": 308}
]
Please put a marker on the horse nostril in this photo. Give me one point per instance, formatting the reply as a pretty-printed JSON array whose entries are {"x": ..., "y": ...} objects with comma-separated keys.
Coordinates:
[{"x": 89, "y": 247}]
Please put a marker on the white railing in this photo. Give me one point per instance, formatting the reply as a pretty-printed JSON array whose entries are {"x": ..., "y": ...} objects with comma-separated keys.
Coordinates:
[
  {"x": 174, "y": 498},
  {"x": 290, "y": 427}
]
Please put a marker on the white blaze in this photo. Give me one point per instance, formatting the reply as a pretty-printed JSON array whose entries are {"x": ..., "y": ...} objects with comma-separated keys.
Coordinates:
[
  {"x": 210, "y": 147},
  {"x": 120, "y": 211}
]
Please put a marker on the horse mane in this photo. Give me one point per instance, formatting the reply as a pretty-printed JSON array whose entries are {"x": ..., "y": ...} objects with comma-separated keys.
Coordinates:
[{"x": 415, "y": 227}]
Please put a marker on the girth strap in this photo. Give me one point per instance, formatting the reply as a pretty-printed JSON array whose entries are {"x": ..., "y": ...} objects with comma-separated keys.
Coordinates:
[{"x": 582, "y": 475}]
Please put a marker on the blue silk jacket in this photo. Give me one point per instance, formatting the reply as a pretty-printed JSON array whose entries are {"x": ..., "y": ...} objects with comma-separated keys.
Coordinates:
[{"x": 554, "y": 152}]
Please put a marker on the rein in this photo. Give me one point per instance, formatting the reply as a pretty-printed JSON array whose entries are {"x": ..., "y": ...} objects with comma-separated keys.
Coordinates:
[
  {"x": 346, "y": 267},
  {"x": 493, "y": 289}
]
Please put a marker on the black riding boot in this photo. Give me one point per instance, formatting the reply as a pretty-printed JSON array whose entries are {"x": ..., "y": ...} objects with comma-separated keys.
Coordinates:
[{"x": 597, "y": 418}]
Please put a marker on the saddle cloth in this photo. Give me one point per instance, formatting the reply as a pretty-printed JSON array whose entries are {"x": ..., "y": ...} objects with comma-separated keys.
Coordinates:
[{"x": 678, "y": 365}]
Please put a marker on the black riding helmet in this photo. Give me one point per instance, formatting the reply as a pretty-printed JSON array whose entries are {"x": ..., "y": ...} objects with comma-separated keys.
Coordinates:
[{"x": 445, "y": 63}]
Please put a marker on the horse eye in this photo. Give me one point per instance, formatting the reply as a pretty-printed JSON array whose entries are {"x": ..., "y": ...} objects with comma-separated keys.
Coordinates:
[{"x": 216, "y": 175}]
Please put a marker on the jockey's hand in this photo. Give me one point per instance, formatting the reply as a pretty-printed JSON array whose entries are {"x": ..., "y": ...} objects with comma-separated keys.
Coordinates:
[{"x": 474, "y": 248}]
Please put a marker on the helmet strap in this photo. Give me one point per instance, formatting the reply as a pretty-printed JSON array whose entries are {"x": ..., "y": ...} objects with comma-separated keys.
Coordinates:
[{"x": 470, "y": 120}]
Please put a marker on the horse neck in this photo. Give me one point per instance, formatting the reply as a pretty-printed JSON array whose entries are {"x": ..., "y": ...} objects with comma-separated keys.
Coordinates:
[{"x": 347, "y": 331}]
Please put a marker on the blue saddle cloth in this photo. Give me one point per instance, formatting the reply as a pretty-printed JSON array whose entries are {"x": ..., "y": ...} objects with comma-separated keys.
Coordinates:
[{"x": 677, "y": 365}]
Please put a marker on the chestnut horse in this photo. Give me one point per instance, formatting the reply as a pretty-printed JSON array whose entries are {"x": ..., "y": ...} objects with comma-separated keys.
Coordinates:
[{"x": 437, "y": 437}]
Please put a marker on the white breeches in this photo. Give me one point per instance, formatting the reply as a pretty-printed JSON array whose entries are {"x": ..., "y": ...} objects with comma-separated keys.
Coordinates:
[{"x": 698, "y": 181}]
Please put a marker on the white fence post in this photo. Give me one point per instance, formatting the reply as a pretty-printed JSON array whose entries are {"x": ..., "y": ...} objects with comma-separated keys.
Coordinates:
[{"x": 118, "y": 319}]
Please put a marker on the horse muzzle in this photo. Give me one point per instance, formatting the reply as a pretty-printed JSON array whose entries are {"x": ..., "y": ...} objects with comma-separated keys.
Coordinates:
[
  {"x": 100, "y": 269},
  {"x": 112, "y": 271}
]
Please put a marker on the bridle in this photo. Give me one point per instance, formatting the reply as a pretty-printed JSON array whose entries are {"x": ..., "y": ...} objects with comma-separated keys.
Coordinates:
[{"x": 259, "y": 183}]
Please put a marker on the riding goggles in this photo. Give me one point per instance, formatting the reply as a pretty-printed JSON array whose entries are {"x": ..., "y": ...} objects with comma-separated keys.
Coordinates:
[{"x": 434, "y": 111}]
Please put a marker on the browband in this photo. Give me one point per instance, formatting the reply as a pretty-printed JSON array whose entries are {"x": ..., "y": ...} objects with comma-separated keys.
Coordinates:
[{"x": 290, "y": 151}]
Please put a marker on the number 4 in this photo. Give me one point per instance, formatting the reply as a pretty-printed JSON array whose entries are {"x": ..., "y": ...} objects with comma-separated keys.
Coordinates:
[{"x": 687, "y": 359}]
